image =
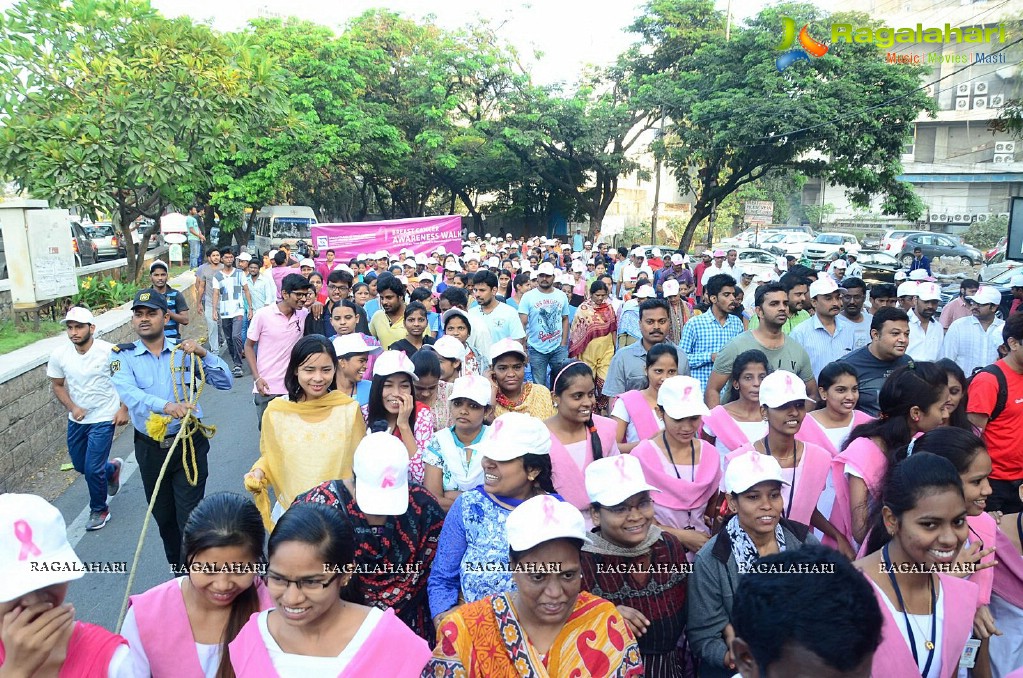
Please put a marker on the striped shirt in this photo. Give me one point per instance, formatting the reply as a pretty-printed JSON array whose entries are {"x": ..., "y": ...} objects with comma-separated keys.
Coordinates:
[
  {"x": 970, "y": 345},
  {"x": 822, "y": 346},
  {"x": 703, "y": 336}
]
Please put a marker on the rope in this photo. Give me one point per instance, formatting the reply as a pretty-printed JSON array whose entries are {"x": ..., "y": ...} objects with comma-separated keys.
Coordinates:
[{"x": 157, "y": 424}]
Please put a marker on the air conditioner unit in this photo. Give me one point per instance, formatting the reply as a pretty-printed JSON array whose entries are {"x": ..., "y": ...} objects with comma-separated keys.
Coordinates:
[
  {"x": 957, "y": 219},
  {"x": 1003, "y": 158},
  {"x": 935, "y": 218},
  {"x": 996, "y": 100},
  {"x": 982, "y": 217},
  {"x": 980, "y": 102},
  {"x": 942, "y": 218},
  {"x": 963, "y": 104},
  {"x": 980, "y": 87},
  {"x": 963, "y": 89},
  {"x": 1005, "y": 147},
  {"x": 1003, "y": 214}
]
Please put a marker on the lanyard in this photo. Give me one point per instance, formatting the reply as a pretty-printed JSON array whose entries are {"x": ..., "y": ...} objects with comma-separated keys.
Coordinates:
[
  {"x": 792, "y": 487},
  {"x": 692, "y": 459},
  {"x": 909, "y": 627}
]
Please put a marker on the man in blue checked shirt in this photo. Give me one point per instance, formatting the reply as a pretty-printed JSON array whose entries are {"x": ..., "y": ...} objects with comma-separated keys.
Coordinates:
[
  {"x": 141, "y": 373},
  {"x": 706, "y": 334}
]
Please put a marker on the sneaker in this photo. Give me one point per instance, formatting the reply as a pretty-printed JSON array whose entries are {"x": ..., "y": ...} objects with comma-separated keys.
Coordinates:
[
  {"x": 114, "y": 484},
  {"x": 97, "y": 519},
  {"x": 237, "y": 371}
]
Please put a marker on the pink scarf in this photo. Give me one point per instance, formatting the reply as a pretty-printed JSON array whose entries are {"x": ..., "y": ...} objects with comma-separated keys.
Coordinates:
[
  {"x": 893, "y": 656},
  {"x": 640, "y": 414},
  {"x": 675, "y": 493},
  {"x": 724, "y": 427},
  {"x": 812, "y": 432},
  {"x": 987, "y": 531},
  {"x": 249, "y": 655},
  {"x": 867, "y": 458},
  {"x": 569, "y": 479},
  {"x": 810, "y": 477},
  {"x": 1008, "y": 573}
]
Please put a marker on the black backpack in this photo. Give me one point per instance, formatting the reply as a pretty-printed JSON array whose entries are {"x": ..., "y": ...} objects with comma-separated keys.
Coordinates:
[{"x": 1003, "y": 389}]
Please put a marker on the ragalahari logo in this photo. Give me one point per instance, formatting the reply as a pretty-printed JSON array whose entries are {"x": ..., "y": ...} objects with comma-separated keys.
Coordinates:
[{"x": 808, "y": 46}]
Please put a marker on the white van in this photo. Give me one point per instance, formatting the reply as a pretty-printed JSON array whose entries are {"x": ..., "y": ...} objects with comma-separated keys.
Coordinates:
[{"x": 279, "y": 224}]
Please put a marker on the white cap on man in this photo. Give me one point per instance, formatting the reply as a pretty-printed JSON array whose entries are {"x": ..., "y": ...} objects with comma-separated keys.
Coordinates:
[
  {"x": 928, "y": 291},
  {"x": 79, "y": 314},
  {"x": 823, "y": 285},
  {"x": 986, "y": 294}
]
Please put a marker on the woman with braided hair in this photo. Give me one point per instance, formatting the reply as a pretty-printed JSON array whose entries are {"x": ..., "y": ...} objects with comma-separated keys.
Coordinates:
[{"x": 578, "y": 436}]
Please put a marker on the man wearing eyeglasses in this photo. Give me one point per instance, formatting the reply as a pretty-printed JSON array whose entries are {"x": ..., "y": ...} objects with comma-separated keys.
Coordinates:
[
  {"x": 972, "y": 342},
  {"x": 339, "y": 286},
  {"x": 275, "y": 330}
]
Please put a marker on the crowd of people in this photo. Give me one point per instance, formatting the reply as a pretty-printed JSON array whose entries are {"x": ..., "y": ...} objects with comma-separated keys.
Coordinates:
[{"x": 544, "y": 458}]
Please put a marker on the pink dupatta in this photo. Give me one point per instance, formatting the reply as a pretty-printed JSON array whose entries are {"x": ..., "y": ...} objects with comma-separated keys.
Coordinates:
[
  {"x": 724, "y": 428},
  {"x": 986, "y": 530},
  {"x": 893, "y": 656},
  {"x": 813, "y": 469},
  {"x": 680, "y": 494},
  {"x": 569, "y": 479},
  {"x": 249, "y": 655},
  {"x": 1008, "y": 573},
  {"x": 640, "y": 414},
  {"x": 812, "y": 432},
  {"x": 867, "y": 458}
]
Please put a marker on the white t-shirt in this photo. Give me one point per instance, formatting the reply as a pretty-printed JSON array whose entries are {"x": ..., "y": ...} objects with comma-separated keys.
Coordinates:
[
  {"x": 209, "y": 655},
  {"x": 87, "y": 378},
  {"x": 503, "y": 322},
  {"x": 290, "y": 665}
]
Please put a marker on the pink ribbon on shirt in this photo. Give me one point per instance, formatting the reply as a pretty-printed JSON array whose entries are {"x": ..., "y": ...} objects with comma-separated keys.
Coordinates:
[{"x": 23, "y": 533}]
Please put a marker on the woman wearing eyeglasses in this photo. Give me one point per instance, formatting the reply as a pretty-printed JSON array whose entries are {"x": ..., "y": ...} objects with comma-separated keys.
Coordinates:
[
  {"x": 636, "y": 565},
  {"x": 318, "y": 627}
]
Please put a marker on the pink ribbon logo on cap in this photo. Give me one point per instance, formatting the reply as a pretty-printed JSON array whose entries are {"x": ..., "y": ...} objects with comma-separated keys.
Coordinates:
[
  {"x": 686, "y": 392},
  {"x": 548, "y": 510},
  {"x": 789, "y": 386},
  {"x": 390, "y": 478},
  {"x": 23, "y": 533},
  {"x": 620, "y": 465},
  {"x": 754, "y": 458}
]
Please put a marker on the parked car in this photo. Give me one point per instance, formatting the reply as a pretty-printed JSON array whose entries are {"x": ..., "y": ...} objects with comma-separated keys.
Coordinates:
[
  {"x": 933, "y": 245},
  {"x": 1000, "y": 247},
  {"x": 108, "y": 241},
  {"x": 996, "y": 265},
  {"x": 748, "y": 238},
  {"x": 752, "y": 260},
  {"x": 878, "y": 267},
  {"x": 1000, "y": 282},
  {"x": 85, "y": 249},
  {"x": 826, "y": 244},
  {"x": 892, "y": 234},
  {"x": 788, "y": 242},
  {"x": 138, "y": 230}
]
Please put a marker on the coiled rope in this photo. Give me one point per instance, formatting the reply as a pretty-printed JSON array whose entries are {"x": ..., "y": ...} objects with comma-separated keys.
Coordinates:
[{"x": 156, "y": 427}]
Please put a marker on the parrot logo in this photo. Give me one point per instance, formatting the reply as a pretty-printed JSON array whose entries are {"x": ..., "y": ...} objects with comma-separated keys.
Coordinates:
[{"x": 807, "y": 45}]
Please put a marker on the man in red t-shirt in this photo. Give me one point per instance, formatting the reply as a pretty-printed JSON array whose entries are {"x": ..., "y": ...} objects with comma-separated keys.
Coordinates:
[
  {"x": 698, "y": 271},
  {"x": 1001, "y": 434}
]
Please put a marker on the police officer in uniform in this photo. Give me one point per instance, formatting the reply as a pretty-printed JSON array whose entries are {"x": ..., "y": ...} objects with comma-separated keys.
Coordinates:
[
  {"x": 141, "y": 373},
  {"x": 177, "y": 307}
]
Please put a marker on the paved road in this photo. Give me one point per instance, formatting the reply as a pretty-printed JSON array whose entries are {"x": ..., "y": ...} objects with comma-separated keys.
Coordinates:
[{"x": 97, "y": 597}]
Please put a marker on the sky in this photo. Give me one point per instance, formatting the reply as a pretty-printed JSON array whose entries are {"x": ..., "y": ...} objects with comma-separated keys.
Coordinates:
[{"x": 569, "y": 33}]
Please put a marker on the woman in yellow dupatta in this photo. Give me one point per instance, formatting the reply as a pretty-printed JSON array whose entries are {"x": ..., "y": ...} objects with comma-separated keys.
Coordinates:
[
  {"x": 548, "y": 627},
  {"x": 592, "y": 338},
  {"x": 308, "y": 437}
]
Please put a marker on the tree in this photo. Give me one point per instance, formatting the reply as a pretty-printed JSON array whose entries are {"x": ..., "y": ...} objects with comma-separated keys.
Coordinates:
[
  {"x": 110, "y": 107},
  {"x": 733, "y": 118}
]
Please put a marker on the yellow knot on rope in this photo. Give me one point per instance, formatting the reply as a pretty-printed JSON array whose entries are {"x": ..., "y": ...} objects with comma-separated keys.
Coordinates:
[{"x": 156, "y": 425}]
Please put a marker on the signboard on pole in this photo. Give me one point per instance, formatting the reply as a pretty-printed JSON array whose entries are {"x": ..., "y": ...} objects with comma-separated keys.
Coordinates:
[{"x": 758, "y": 211}]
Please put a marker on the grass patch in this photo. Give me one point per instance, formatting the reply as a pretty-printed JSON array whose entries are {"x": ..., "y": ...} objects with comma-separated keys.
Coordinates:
[{"x": 12, "y": 338}]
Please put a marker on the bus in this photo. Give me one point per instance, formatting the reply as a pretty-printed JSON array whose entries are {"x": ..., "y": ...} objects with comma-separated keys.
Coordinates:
[{"x": 279, "y": 224}]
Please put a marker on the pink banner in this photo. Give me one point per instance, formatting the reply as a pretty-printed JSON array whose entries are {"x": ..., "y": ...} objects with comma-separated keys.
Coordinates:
[{"x": 421, "y": 235}]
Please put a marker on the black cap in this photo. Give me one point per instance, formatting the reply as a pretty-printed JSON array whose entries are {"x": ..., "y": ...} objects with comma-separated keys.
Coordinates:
[{"x": 149, "y": 298}]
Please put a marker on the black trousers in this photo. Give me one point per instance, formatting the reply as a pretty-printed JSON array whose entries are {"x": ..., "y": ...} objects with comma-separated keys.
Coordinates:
[
  {"x": 1005, "y": 496},
  {"x": 176, "y": 498}
]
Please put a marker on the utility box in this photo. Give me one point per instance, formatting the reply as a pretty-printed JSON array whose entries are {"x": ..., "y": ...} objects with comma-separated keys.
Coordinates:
[{"x": 40, "y": 255}]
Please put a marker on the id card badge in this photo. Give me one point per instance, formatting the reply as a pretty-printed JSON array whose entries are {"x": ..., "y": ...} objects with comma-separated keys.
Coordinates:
[{"x": 969, "y": 656}]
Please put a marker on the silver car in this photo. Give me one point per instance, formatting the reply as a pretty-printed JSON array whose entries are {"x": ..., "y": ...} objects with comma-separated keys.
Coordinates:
[{"x": 108, "y": 241}]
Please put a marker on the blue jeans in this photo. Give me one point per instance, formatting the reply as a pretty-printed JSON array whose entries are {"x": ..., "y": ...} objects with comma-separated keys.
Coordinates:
[
  {"x": 89, "y": 447},
  {"x": 540, "y": 362},
  {"x": 194, "y": 254}
]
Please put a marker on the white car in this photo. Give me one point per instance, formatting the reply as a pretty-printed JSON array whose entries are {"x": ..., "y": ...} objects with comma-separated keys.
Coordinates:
[
  {"x": 826, "y": 244},
  {"x": 756, "y": 261},
  {"x": 786, "y": 242},
  {"x": 746, "y": 238}
]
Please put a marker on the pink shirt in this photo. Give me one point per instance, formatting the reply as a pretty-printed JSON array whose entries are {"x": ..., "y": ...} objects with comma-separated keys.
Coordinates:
[
  {"x": 278, "y": 273},
  {"x": 275, "y": 335}
]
